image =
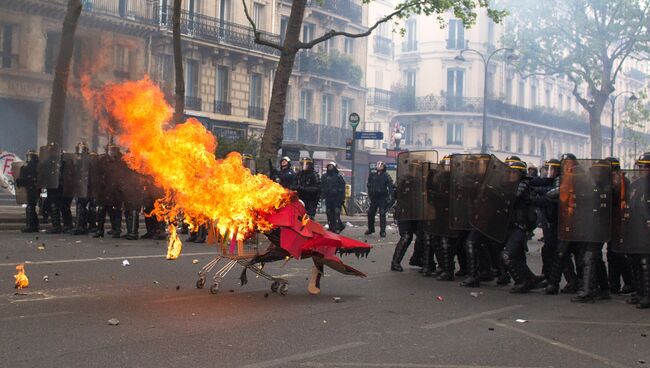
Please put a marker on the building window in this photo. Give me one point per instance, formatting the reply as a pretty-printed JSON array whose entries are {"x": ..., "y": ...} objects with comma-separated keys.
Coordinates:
[
  {"x": 533, "y": 96},
  {"x": 307, "y": 32},
  {"x": 284, "y": 22},
  {"x": 258, "y": 15},
  {"x": 349, "y": 45},
  {"x": 326, "y": 46},
  {"x": 121, "y": 61},
  {"x": 456, "y": 38},
  {"x": 455, "y": 79},
  {"x": 509, "y": 90},
  {"x": 8, "y": 57},
  {"x": 192, "y": 78},
  {"x": 547, "y": 98},
  {"x": 560, "y": 102},
  {"x": 531, "y": 145},
  {"x": 346, "y": 110},
  {"x": 411, "y": 35},
  {"x": 306, "y": 102},
  {"x": 455, "y": 133},
  {"x": 521, "y": 93},
  {"x": 326, "y": 110},
  {"x": 490, "y": 34},
  {"x": 225, "y": 10},
  {"x": 520, "y": 142},
  {"x": 52, "y": 51},
  {"x": 255, "y": 90},
  {"x": 223, "y": 82},
  {"x": 164, "y": 69}
]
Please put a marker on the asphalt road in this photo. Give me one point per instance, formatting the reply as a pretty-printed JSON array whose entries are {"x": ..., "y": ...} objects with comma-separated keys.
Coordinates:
[{"x": 385, "y": 320}]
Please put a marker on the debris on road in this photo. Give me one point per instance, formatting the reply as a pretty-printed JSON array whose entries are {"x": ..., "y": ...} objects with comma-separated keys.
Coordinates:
[
  {"x": 155, "y": 282},
  {"x": 125, "y": 263},
  {"x": 336, "y": 299},
  {"x": 266, "y": 295},
  {"x": 195, "y": 261},
  {"x": 113, "y": 322},
  {"x": 521, "y": 320},
  {"x": 41, "y": 247},
  {"x": 440, "y": 298},
  {"x": 78, "y": 241},
  {"x": 474, "y": 294},
  {"x": 46, "y": 278},
  {"x": 491, "y": 329},
  {"x": 178, "y": 287}
]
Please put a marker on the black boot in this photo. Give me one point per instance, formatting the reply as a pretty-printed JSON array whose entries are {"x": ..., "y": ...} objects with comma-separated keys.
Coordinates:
[
  {"x": 55, "y": 214},
  {"x": 400, "y": 251},
  {"x": 382, "y": 225},
  {"x": 132, "y": 224},
  {"x": 603, "y": 281},
  {"x": 371, "y": 225},
  {"x": 202, "y": 234},
  {"x": 116, "y": 222},
  {"x": 556, "y": 269},
  {"x": 472, "y": 278},
  {"x": 418, "y": 251},
  {"x": 644, "y": 289},
  {"x": 101, "y": 221},
  {"x": 81, "y": 218},
  {"x": 31, "y": 219},
  {"x": 589, "y": 277},
  {"x": 447, "y": 253},
  {"x": 519, "y": 272},
  {"x": 485, "y": 271},
  {"x": 428, "y": 264}
]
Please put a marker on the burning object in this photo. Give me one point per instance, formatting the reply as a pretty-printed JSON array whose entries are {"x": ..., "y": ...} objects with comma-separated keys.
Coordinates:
[{"x": 21, "y": 278}]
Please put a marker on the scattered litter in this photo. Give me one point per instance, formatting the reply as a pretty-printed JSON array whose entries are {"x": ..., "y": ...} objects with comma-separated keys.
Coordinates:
[
  {"x": 324, "y": 321},
  {"x": 56, "y": 274},
  {"x": 266, "y": 295},
  {"x": 193, "y": 314},
  {"x": 336, "y": 299},
  {"x": 41, "y": 247},
  {"x": 491, "y": 328},
  {"x": 643, "y": 335},
  {"x": 78, "y": 241},
  {"x": 46, "y": 278},
  {"x": 112, "y": 277},
  {"x": 326, "y": 226},
  {"x": 372, "y": 261},
  {"x": 521, "y": 320},
  {"x": 349, "y": 224},
  {"x": 113, "y": 322},
  {"x": 641, "y": 361},
  {"x": 155, "y": 282},
  {"x": 195, "y": 261},
  {"x": 125, "y": 263},
  {"x": 474, "y": 294},
  {"x": 231, "y": 290},
  {"x": 440, "y": 298},
  {"x": 178, "y": 287}
]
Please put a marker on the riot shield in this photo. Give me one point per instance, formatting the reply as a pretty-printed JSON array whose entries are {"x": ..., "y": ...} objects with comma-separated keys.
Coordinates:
[
  {"x": 631, "y": 219},
  {"x": 21, "y": 191},
  {"x": 49, "y": 166},
  {"x": 410, "y": 193},
  {"x": 131, "y": 186},
  {"x": 405, "y": 158},
  {"x": 98, "y": 185},
  {"x": 68, "y": 174},
  {"x": 82, "y": 175},
  {"x": 585, "y": 206},
  {"x": 437, "y": 201},
  {"x": 491, "y": 211},
  {"x": 467, "y": 172}
]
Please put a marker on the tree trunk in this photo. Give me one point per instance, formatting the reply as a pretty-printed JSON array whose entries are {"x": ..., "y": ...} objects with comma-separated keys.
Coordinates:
[
  {"x": 273, "y": 133},
  {"x": 60, "y": 83},
  {"x": 595, "y": 127},
  {"x": 179, "y": 95}
]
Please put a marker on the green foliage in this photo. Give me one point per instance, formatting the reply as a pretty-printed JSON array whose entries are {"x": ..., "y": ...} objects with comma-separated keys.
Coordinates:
[
  {"x": 249, "y": 145},
  {"x": 338, "y": 66},
  {"x": 637, "y": 115}
]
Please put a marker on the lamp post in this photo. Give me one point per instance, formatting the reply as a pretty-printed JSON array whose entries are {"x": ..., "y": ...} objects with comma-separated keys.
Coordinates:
[
  {"x": 486, "y": 63},
  {"x": 612, "y": 99}
]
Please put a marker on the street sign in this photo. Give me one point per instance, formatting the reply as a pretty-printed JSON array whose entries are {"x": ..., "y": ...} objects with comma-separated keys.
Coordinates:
[
  {"x": 392, "y": 153},
  {"x": 354, "y": 120},
  {"x": 369, "y": 135}
]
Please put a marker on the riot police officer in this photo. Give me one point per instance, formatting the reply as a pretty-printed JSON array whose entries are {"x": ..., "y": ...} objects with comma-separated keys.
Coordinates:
[
  {"x": 333, "y": 189},
  {"x": 380, "y": 191},
  {"x": 407, "y": 223},
  {"x": 155, "y": 229},
  {"x": 27, "y": 190},
  {"x": 82, "y": 173},
  {"x": 109, "y": 192},
  {"x": 308, "y": 186},
  {"x": 285, "y": 176}
]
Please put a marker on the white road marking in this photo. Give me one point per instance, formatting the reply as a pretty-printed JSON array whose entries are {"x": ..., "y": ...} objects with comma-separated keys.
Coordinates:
[
  {"x": 39, "y": 315},
  {"x": 97, "y": 259},
  {"x": 471, "y": 317},
  {"x": 560, "y": 345},
  {"x": 641, "y": 324},
  {"x": 305, "y": 355},
  {"x": 400, "y": 365}
]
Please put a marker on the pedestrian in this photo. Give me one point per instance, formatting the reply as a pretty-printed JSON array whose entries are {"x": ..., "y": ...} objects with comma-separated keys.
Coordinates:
[{"x": 380, "y": 191}]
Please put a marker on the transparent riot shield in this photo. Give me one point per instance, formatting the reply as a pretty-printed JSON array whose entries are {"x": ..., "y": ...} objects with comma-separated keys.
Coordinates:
[
  {"x": 491, "y": 211},
  {"x": 82, "y": 175},
  {"x": 438, "y": 182},
  {"x": 49, "y": 166},
  {"x": 68, "y": 174},
  {"x": 585, "y": 206},
  {"x": 21, "y": 191},
  {"x": 467, "y": 172},
  {"x": 631, "y": 219},
  {"x": 98, "y": 183},
  {"x": 405, "y": 158}
]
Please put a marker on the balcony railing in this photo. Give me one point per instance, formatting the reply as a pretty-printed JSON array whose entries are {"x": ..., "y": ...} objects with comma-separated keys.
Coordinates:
[
  {"x": 193, "y": 103},
  {"x": 383, "y": 46},
  {"x": 8, "y": 60},
  {"x": 332, "y": 65},
  {"x": 410, "y": 45},
  {"x": 494, "y": 108},
  {"x": 345, "y": 8},
  {"x": 222, "y": 107},
  {"x": 255, "y": 112},
  {"x": 383, "y": 98},
  {"x": 216, "y": 30},
  {"x": 303, "y": 132},
  {"x": 140, "y": 10}
]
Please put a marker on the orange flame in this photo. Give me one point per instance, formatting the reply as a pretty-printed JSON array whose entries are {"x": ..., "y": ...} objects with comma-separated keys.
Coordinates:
[
  {"x": 182, "y": 161},
  {"x": 174, "y": 246},
  {"x": 21, "y": 279}
]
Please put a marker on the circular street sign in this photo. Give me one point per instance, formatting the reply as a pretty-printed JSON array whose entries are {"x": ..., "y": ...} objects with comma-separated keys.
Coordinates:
[{"x": 354, "y": 120}]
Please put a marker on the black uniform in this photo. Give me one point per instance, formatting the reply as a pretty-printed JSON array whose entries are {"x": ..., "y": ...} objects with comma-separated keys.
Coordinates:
[
  {"x": 27, "y": 180},
  {"x": 380, "y": 191},
  {"x": 333, "y": 190},
  {"x": 285, "y": 177},
  {"x": 105, "y": 181},
  {"x": 155, "y": 229},
  {"x": 308, "y": 188}
]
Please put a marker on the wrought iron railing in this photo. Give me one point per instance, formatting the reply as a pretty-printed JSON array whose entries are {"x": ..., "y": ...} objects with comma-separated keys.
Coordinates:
[
  {"x": 216, "y": 30},
  {"x": 223, "y": 107},
  {"x": 333, "y": 65},
  {"x": 302, "y": 132},
  {"x": 383, "y": 46},
  {"x": 382, "y": 98},
  {"x": 345, "y": 8},
  {"x": 193, "y": 103},
  {"x": 255, "y": 112},
  {"x": 141, "y": 10}
]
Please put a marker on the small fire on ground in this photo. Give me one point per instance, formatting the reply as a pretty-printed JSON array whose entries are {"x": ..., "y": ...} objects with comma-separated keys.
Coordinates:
[{"x": 21, "y": 278}]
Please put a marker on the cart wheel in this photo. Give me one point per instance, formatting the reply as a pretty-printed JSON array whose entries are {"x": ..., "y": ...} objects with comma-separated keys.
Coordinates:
[
  {"x": 284, "y": 289},
  {"x": 200, "y": 283},
  {"x": 214, "y": 288},
  {"x": 274, "y": 286}
]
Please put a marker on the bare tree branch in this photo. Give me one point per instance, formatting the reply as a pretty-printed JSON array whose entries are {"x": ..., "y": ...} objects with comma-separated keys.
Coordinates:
[
  {"x": 258, "y": 35},
  {"x": 581, "y": 100}
]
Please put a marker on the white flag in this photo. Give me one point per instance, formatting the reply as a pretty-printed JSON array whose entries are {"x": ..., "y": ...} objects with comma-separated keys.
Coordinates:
[{"x": 6, "y": 177}]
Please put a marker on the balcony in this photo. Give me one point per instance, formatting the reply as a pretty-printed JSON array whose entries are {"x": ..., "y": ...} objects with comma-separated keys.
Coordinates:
[
  {"x": 382, "y": 98},
  {"x": 345, "y": 8},
  {"x": 383, "y": 46},
  {"x": 137, "y": 10},
  {"x": 8, "y": 60},
  {"x": 303, "y": 132},
  {"x": 193, "y": 103},
  {"x": 216, "y": 30},
  {"x": 409, "y": 46},
  {"x": 332, "y": 65},
  {"x": 255, "y": 112},
  {"x": 222, "y": 107}
]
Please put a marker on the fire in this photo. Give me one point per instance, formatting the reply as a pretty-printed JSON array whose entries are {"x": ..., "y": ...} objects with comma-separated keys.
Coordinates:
[
  {"x": 175, "y": 245},
  {"x": 181, "y": 160},
  {"x": 21, "y": 279}
]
